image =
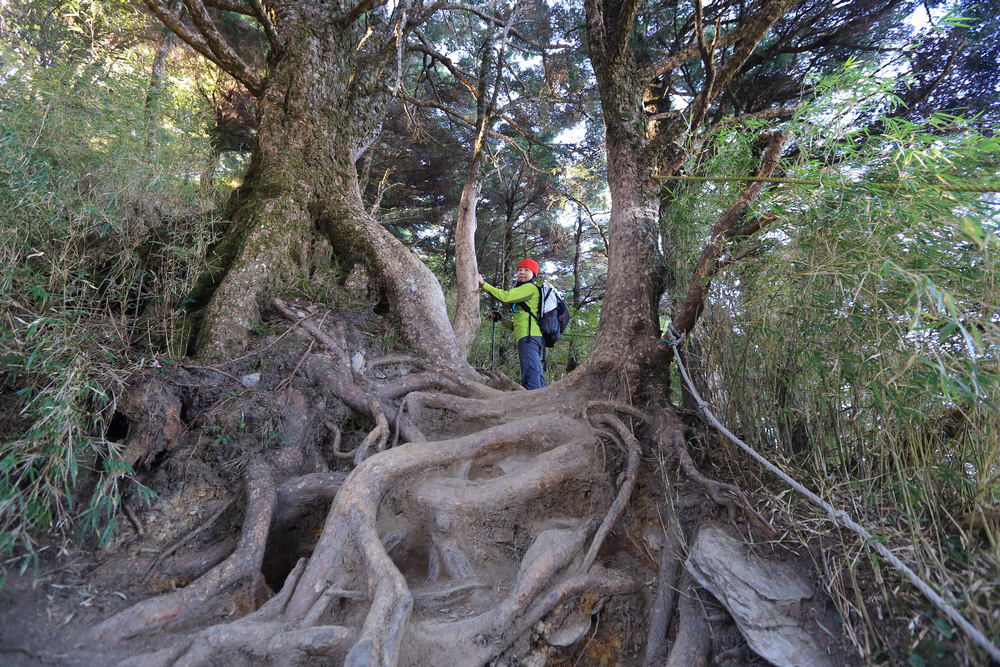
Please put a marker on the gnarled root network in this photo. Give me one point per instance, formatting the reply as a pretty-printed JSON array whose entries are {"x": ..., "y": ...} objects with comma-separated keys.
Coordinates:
[
  {"x": 451, "y": 548},
  {"x": 451, "y": 524}
]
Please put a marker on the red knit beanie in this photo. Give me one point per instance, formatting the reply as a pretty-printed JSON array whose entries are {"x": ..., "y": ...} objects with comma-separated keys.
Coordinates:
[{"x": 529, "y": 264}]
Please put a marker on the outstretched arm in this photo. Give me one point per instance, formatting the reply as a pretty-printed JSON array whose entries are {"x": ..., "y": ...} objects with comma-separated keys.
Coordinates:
[{"x": 519, "y": 294}]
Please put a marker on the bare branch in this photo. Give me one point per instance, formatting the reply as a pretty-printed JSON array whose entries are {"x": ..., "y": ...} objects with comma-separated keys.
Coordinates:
[
  {"x": 531, "y": 138},
  {"x": 224, "y": 56},
  {"x": 528, "y": 162},
  {"x": 465, "y": 78},
  {"x": 449, "y": 110},
  {"x": 749, "y": 34},
  {"x": 174, "y": 24},
  {"x": 477, "y": 10},
  {"x": 261, "y": 15},
  {"x": 766, "y": 114},
  {"x": 590, "y": 216},
  {"x": 755, "y": 31}
]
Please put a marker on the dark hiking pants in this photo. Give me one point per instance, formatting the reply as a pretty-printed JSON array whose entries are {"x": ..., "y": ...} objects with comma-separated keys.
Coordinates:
[{"x": 529, "y": 351}]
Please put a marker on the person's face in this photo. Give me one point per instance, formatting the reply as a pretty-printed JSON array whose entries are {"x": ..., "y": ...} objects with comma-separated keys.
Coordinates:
[{"x": 524, "y": 274}]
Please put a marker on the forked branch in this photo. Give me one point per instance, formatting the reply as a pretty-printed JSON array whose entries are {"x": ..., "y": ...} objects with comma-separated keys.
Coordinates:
[{"x": 207, "y": 40}]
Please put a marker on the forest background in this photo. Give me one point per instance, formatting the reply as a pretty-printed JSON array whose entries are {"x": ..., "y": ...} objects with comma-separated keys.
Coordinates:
[{"x": 848, "y": 329}]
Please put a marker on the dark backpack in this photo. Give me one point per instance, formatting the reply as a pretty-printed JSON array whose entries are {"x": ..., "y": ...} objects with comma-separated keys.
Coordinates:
[{"x": 555, "y": 316}]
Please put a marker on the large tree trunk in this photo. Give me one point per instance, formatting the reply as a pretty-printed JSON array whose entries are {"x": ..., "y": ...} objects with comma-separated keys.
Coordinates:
[
  {"x": 628, "y": 328},
  {"x": 467, "y": 320},
  {"x": 320, "y": 106},
  {"x": 628, "y": 331}
]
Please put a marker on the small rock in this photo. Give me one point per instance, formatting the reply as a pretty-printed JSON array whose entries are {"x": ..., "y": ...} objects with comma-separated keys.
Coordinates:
[
  {"x": 573, "y": 630},
  {"x": 358, "y": 363},
  {"x": 251, "y": 380}
]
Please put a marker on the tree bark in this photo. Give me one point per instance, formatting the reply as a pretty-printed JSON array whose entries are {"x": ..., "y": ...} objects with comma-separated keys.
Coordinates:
[
  {"x": 628, "y": 331},
  {"x": 628, "y": 327},
  {"x": 467, "y": 319},
  {"x": 320, "y": 107}
]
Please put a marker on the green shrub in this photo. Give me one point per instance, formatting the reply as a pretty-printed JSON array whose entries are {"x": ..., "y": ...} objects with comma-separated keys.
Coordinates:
[{"x": 102, "y": 235}]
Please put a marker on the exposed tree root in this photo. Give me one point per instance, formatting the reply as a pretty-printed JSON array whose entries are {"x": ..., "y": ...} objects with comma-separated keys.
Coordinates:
[
  {"x": 451, "y": 382},
  {"x": 395, "y": 359},
  {"x": 694, "y": 639},
  {"x": 723, "y": 494},
  {"x": 666, "y": 594},
  {"x": 272, "y": 641},
  {"x": 498, "y": 380},
  {"x": 500, "y": 471},
  {"x": 455, "y": 546},
  {"x": 295, "y": 495},
  {"x": 243, "y": 564},
  {"x": 335, "y": 374},
  {"x": 592, "y": 583},
  {"x": 634, "y": 451},
  {"x": 335, "y": 445},
  {"x": 187, "y": 538}
]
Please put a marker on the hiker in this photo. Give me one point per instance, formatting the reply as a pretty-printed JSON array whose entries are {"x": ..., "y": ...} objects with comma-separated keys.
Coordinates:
[{"x": 526, "y": 331}]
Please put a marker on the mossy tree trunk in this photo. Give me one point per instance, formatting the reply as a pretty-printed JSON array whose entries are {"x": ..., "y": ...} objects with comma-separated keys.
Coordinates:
[{"x": 320, "y": 107}]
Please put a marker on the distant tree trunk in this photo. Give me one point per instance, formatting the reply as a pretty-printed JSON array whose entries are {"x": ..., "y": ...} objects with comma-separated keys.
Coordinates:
[
  {"x": 156, "y": 84},
  {"x": 321, "y": 105}
]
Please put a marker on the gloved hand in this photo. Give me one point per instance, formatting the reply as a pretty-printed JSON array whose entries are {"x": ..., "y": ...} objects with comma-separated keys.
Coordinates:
[{"x": 495, "y": 316}]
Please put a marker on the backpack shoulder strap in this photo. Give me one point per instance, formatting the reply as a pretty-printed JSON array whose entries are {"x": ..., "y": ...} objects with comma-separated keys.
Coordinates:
[{"x": 531, "y": 315}]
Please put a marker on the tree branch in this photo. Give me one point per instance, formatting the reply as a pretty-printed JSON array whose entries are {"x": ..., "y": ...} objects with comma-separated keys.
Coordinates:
[
  {"x": 465, "y": 78},
  {"x": 478, "y": 11},
  {"x": 260, "y": 14},
  {"x": 747, "y": 34},
  {"x": 224, "y": 56},
  {"x": 351, "y": 15},
  {"x": 708, "y": 58},
  {"x": 725, "y": 228},
  {"x": 449, "y": 110},
  {"x": 175, "y": 25}
]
